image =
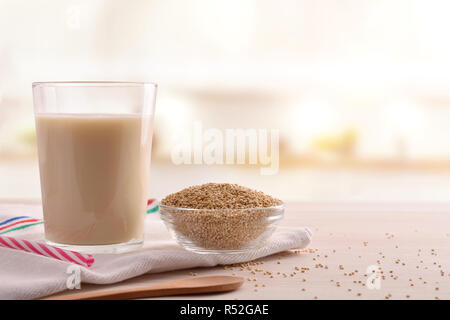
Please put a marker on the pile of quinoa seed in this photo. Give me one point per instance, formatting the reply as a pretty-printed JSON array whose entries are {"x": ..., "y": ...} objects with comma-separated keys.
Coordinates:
[
  {"x": 219, "y": 196},
  {"x": 226, "y": 216}
]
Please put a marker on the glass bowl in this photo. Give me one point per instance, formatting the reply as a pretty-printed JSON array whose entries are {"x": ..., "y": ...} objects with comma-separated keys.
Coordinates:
[{"x": 218, "y": 231}]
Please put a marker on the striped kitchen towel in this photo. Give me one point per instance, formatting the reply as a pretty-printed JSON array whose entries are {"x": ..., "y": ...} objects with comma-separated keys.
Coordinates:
[
  {"x": 23, "y": 222},
  {"x": 31, "y": 274}
]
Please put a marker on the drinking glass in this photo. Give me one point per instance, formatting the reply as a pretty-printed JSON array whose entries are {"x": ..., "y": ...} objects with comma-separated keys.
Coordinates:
[{"x": 94, "y": 144}]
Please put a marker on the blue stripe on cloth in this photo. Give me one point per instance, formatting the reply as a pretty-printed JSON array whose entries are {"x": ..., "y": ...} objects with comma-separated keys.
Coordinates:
[
  {"x": 22, "y": 227},
  {"x": 12, "y": 219}
]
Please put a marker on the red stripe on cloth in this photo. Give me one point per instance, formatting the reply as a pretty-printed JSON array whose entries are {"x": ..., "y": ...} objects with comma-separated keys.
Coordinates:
[
  {"x": 86, "y": 260},
  {"x": 19, "y": 222},
  {"x": 65, "y": 255},
  {"x": 89, "y": 261},
  {"x": 6, "y": 244},
  {"x": 49, "y": 252},
  {"x": 16, "y": 243},
  {"x": 32, "y": 248}
]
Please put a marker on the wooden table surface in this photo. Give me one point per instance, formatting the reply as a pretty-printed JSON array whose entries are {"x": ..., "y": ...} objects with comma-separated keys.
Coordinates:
[{"x": 403, "y": 249}]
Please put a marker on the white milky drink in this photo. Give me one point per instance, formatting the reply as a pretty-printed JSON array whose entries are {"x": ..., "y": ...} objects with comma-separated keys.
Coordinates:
[{"x": 94, "y": 174}]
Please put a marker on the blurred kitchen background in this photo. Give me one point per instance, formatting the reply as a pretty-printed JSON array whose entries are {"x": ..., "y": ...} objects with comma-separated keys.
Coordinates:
[{"x": 359, "y": 89}]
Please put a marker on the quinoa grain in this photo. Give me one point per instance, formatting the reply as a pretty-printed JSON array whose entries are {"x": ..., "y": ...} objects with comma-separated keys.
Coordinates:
[{"x": 233, "y": 215}]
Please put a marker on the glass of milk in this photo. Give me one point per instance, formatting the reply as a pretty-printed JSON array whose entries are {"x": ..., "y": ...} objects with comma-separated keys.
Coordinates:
[{"x": 94, "y": 144}]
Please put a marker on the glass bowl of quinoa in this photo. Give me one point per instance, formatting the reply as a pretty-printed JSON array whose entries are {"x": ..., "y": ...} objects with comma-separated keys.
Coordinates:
[{"x": 221, "y": 217}]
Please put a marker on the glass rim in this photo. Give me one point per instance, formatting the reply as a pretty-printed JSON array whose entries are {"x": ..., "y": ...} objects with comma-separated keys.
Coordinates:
[
  {"x": 93, "y": 84},
  {"x": 271, "y": 208}
]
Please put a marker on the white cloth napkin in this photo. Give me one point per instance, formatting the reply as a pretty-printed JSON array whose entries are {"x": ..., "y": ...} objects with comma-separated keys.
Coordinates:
[{"x": 29, "y": 276}]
